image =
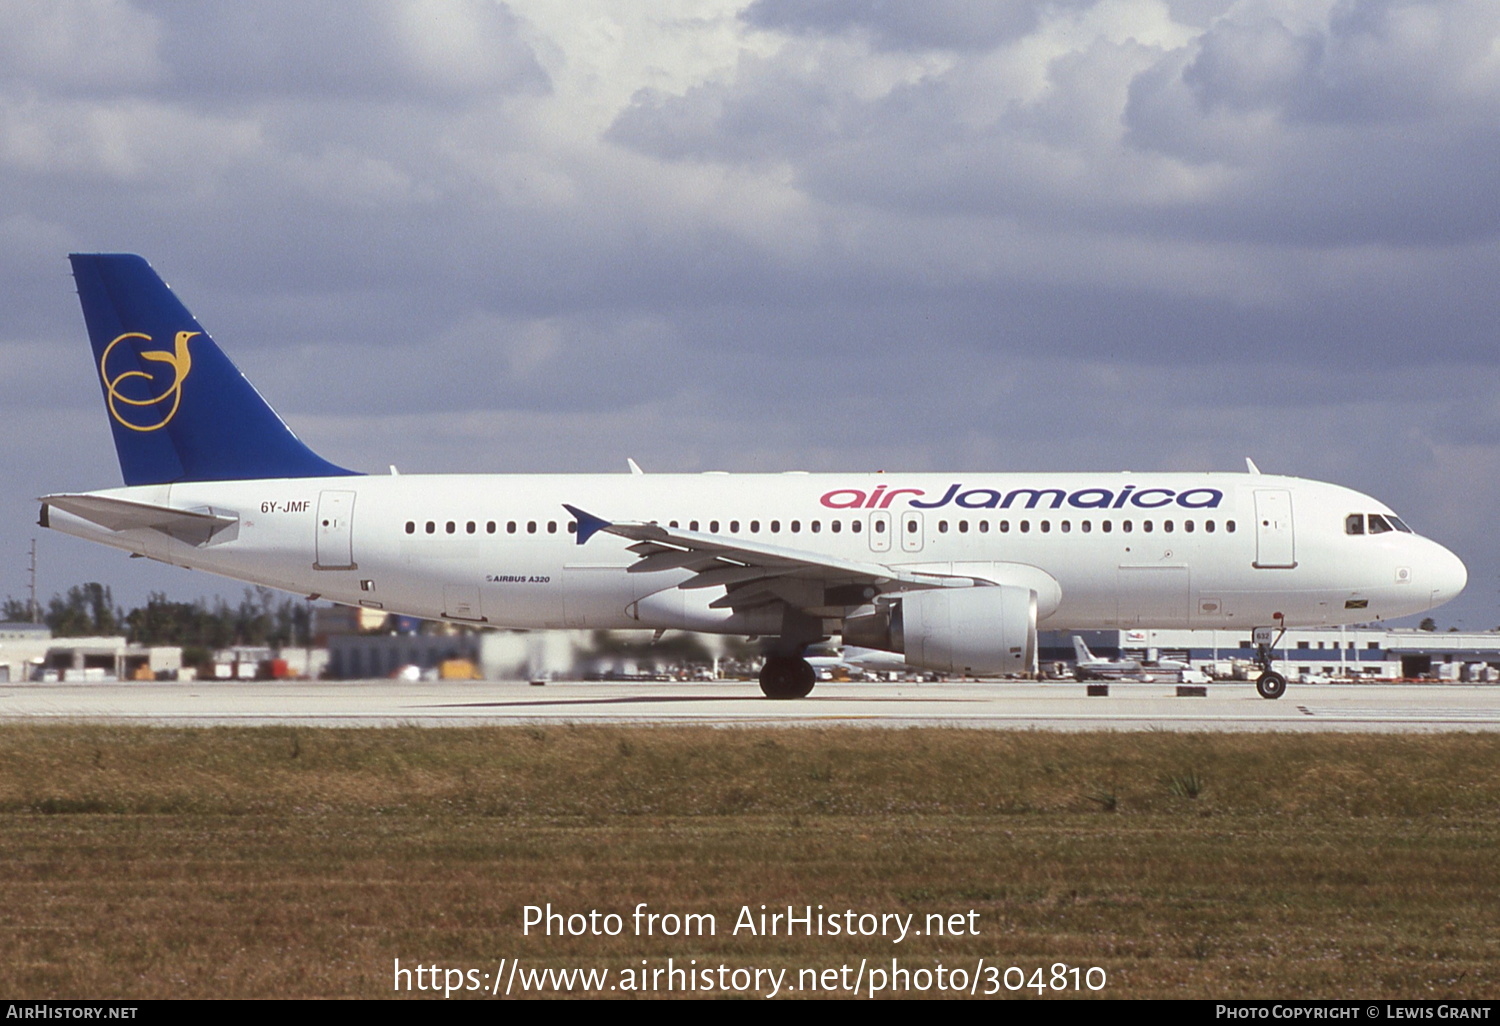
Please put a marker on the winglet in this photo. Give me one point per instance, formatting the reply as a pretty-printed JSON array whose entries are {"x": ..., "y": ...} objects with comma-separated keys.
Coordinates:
[{"x": 588, "y": 524}]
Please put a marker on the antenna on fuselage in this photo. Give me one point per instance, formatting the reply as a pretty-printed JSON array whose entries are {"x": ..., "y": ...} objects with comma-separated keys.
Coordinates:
[{"x": 1250, "y": 466}]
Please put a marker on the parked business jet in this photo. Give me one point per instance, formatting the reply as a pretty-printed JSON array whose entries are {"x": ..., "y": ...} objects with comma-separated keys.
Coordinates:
[{"x": 952, "y": 571}]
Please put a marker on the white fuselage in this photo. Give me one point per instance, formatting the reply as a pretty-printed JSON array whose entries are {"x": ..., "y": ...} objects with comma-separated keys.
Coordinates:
[{"x": 1100, "y": 550}]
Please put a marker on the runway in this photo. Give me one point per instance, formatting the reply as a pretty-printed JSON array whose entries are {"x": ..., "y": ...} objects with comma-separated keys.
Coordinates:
[{"x": 1229, "y": 706}]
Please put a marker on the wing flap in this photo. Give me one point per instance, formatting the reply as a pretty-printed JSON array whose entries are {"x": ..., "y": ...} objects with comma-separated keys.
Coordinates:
[
  {"x": 719, "y": 576},
  {"x": 674, "y": 559}
]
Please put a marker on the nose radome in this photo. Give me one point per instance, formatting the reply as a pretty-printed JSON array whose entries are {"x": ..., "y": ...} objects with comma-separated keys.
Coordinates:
[{"x": 1447, "y": 576}]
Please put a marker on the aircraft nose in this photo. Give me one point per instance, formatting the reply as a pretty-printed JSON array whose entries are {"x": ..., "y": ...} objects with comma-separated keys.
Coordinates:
[{"x": 1446, "y": 575}]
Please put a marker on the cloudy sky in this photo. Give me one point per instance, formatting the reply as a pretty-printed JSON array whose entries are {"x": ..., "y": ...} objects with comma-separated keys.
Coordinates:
[{"x": 464, "y": 235}]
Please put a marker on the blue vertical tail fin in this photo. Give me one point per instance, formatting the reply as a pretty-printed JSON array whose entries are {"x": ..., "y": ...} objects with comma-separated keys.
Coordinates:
[{"x": 179, "y": 409}]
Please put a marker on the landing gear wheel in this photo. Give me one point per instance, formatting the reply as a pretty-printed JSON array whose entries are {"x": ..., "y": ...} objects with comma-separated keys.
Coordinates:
[
  {"x": 1270, "y": 685},
  {"x": 787, "y": 677}
]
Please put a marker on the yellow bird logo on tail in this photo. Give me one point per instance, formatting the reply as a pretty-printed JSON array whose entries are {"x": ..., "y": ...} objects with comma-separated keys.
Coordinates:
[{"x": 123, "y": 407}]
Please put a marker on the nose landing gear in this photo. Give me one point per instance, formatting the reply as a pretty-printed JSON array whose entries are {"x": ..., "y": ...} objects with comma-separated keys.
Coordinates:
[{"x": 1269, "y": 684}]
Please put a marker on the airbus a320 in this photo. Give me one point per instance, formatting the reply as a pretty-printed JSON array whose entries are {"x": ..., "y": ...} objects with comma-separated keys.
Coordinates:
[{"x": 954, "y": 572}]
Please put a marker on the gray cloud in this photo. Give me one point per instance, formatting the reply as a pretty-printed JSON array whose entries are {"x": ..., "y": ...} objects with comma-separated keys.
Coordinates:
[
  {"x": 1366, "y": 129},
  {"x": 940, "y": 24},
  {"x": 78, "y": 46},
  {"x": 372, "y": 50}
]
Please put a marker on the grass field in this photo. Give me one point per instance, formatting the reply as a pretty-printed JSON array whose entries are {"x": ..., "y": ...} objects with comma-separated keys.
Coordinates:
[{"x": 275, "y": 862}]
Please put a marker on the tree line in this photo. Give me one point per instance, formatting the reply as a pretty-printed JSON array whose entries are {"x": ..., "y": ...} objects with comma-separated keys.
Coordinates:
[{"x": 262, "y": 617}]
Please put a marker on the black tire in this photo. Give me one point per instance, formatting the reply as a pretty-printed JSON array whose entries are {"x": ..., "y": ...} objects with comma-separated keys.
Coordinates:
[
  {"x": 1270, "y": 685},
  {"x": 787, "y": 677}
]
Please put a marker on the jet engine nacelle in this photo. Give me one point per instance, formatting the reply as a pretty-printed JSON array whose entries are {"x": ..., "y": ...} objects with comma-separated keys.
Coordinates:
[{"x": 976, "y": 631}]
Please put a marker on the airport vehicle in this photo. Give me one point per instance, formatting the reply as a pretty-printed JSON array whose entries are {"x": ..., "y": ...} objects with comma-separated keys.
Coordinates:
[
  {"x": 1087, "y": 666},
  {"x": 952, "y": 571}
]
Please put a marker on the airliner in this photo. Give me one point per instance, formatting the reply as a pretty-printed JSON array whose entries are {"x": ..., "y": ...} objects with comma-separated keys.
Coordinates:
[
  {"x": 1087, "y": 666},
  {"x": 953, "y": 572}
]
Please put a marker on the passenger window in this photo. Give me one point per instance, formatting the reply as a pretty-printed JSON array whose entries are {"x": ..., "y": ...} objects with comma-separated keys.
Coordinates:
[
  {"x": 452, "y": 527},
  {"x": 963, "y": 527},
  {"x": 854, "y": 526},
  {"x": 942, "y": 526},
  {"x": 984, "y": 527},
  {"x": 489, "y": 527},
  {"x": 1086, "y": 526},
  {"x": 692, "y": 525},
  {"x": 817, "y": 525},
  {"x": 1005, "y": 527},
  {"x": 734, "y": 527},
  {"x": 755, "y": 527},
  {"x": 776, "y": 527},
  {"x": 1046, "y": 526},
  {"x": 1166, "y": 525},
  {"x": 1229, "y": 526},
  {"x": 552, "y": 527},
  {"x": 1126, "y": 526},
  {"x": 1107, "y": 526},
  {"x": 1208, "y": 526},
  {"x": 835, "y": 526},
  {"x": 797, "y": 526},
  {"x": 713, "y": 527},
  {"x": 531, "y": 527},
  {"x": 1187, "y": 525},
  {"x": 510, "y": 527},
  {"x": 672, "y": 523},
  {"x": 1146, "y": 526},
  {"x": 911, "y": 527},
  {"x": 1354, "y": 523},
  {"x": 411, "y": 527},
  {"x": 1066, "y": 527},
  {"x": 471, "y": 527},
  {"x": 1026, "y": 527}
]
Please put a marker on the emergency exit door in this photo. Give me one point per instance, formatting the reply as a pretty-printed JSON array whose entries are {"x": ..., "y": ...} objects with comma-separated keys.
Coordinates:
[{"x": 912, "y": 533}]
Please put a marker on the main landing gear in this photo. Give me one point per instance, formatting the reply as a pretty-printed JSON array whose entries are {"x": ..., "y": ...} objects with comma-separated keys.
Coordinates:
[
  {"x": 1269, "y": 684},
  {"x": 787, "y": 677}
]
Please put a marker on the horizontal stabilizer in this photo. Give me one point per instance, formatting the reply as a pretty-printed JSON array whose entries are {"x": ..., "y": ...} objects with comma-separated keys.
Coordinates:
[{"x": 196, "y": 527}]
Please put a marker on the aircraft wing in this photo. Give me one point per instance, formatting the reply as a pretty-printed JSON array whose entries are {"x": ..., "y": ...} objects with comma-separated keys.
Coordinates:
[
  {"x": 195, "y": 527},
  {"x": 756, "y": 573}
]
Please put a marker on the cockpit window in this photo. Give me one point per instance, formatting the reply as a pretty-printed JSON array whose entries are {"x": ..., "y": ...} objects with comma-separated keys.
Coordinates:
[{"x": 1377, "y": 523}]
